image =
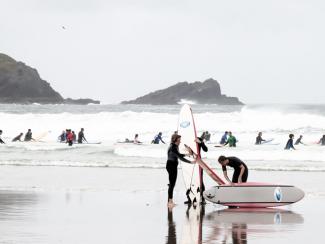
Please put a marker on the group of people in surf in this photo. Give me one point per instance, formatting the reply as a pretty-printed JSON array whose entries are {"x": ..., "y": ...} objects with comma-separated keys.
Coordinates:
[
  {"x": 290, "y": 145},
  {"x": 28, "y": 137},
  {"x": 68, "y": 136},
  {"x": 240, "y": 168}
]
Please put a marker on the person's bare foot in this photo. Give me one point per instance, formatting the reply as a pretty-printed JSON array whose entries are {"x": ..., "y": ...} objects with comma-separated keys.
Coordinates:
[{"x": 171, "y": 204}]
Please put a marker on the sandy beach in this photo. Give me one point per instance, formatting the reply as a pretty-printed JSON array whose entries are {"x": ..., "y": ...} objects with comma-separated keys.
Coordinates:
[{"x": 113, "y": 205}]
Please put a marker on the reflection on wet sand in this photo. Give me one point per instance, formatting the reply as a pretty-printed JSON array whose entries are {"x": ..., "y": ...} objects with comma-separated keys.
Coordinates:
[
  {"x": 238, "y": 225},
  {"x": 171, "y": 237},
  {"x": 235, "y": 226},
  {"x": 14, "y": 205}
]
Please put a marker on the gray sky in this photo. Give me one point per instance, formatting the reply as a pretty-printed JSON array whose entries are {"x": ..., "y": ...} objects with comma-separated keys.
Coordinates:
[{"x": 269, "y": 51}]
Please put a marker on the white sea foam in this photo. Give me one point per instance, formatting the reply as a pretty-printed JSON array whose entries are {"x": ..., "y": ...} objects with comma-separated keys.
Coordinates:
[{"x": 114, "y": 123}]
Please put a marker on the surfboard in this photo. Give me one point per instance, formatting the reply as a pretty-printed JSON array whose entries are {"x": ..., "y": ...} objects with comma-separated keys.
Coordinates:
[
  {"x": 250, "y": 195},
  {"x": 186, "y": 128},
  {"x": 267, "y": 141}
]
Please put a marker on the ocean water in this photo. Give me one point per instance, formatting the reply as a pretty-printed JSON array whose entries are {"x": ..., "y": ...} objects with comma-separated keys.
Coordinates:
[{"x": 109, "y": 124}]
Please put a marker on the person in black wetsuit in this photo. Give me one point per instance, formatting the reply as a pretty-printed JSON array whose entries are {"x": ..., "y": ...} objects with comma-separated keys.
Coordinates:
[
  {"x": 28, "y": 135},
  {"x": 289, "y": 144},
  {"x": 17, "y": 138},
  {"x": 171, "y": 165},
  {"x": 81, "y": 136},
  {"x": 241, "y": 171},
  {"x": 298, "y": 141},
  {"x": 259, "y": 139},
  {"x": 1, "y": 141},
  {"x": 201, "y": 144}
]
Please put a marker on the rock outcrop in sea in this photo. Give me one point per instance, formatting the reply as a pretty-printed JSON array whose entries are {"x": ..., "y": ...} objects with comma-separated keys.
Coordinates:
[
  {"x": 206, "y": 92},
  {"x": 22, "y": 84}
]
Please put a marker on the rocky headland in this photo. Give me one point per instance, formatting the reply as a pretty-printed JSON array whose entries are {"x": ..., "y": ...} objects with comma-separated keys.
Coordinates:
[
  {"x": 206, "y": 92},
  {"x": 22, "y": 84}
]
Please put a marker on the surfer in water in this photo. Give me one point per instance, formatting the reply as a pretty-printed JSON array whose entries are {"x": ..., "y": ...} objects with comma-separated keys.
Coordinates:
[
  {"x": 136, "y": 139},
  {"x": 322, "y": 141},
  {"x": 17, "y": 138},
  {"x": 259, "y": 139},
  {"x": 171, "y": 165},
  {"x": 240, "y": 169},
  {"x": 69, "y": 138},
  {"x": 157, "y": 139},
  {"x": 298, "y": 141},
  {"x": 28, "y": 136},
  {"x": 289, "y": 144},
  {"x": 63, "y": 137},
  {"x": 231, "y": 140},
  {"x": 224, "y": 138},
  {"x": 1, "y": 141},
  {"x": 81, "y": 136}
]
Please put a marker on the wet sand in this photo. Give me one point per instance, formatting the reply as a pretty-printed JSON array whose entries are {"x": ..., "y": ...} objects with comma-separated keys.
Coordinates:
[{"x": 106, "y": 205}]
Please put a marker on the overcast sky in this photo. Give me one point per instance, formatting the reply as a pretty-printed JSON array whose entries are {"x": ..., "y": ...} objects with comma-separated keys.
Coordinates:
[{"x": 261, "y": 51}]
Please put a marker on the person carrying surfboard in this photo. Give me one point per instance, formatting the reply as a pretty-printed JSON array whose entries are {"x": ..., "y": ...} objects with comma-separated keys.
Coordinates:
[
  {"x": 259, "y": 139},
  {"x": 171, "y": 165},
  {"x": 81, "y": 136},
  {"x": 240, "y": 169}
]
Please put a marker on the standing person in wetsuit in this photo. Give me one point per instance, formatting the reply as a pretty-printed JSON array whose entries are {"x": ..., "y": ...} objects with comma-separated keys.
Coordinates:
[
  {"x": 17, "y": 138},
  {"x": 1, "y": 141},
  {"x": 201, "y": 145},
  {"x": 28, "y": 135},
  {"x": 224, "y": 138},
  {"x": 322, "y": 141},
  {"x": 81, "y": 136},
  {"x": 289, "y": 144},
  {"x": 259, "y": 139},
  {"x": 241, "y": 171},
  {"x": 171, "y": 165},
  {"x": 298, "y": 141},
  {"x": 158, "y": 138}
]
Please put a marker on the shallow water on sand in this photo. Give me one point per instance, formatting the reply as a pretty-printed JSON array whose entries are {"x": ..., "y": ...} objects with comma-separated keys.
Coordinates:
[{"x": 105, "y": 206}]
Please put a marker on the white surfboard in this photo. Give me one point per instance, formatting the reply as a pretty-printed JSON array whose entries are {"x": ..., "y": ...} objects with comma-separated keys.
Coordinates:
[
  {"x": 255, "y": 216},
  {"x": 254, "y": 195},
  {"x": 186, "y": 129}
]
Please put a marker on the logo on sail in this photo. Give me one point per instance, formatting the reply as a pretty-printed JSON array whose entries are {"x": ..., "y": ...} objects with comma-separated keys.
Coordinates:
[{"x": 185, "y": 124}]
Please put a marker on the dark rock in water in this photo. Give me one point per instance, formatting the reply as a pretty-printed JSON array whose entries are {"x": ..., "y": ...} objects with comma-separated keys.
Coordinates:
[
  {"x": 207, "y": 92},
  {"x": 20, "y": 83},
  {"x": 81, "y": 101}
]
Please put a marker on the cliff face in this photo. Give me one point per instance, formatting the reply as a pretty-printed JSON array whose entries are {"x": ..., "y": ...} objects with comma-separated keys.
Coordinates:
[
  {"x": 20, "y": 83},
  {"x": 207, "y": 92}
]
